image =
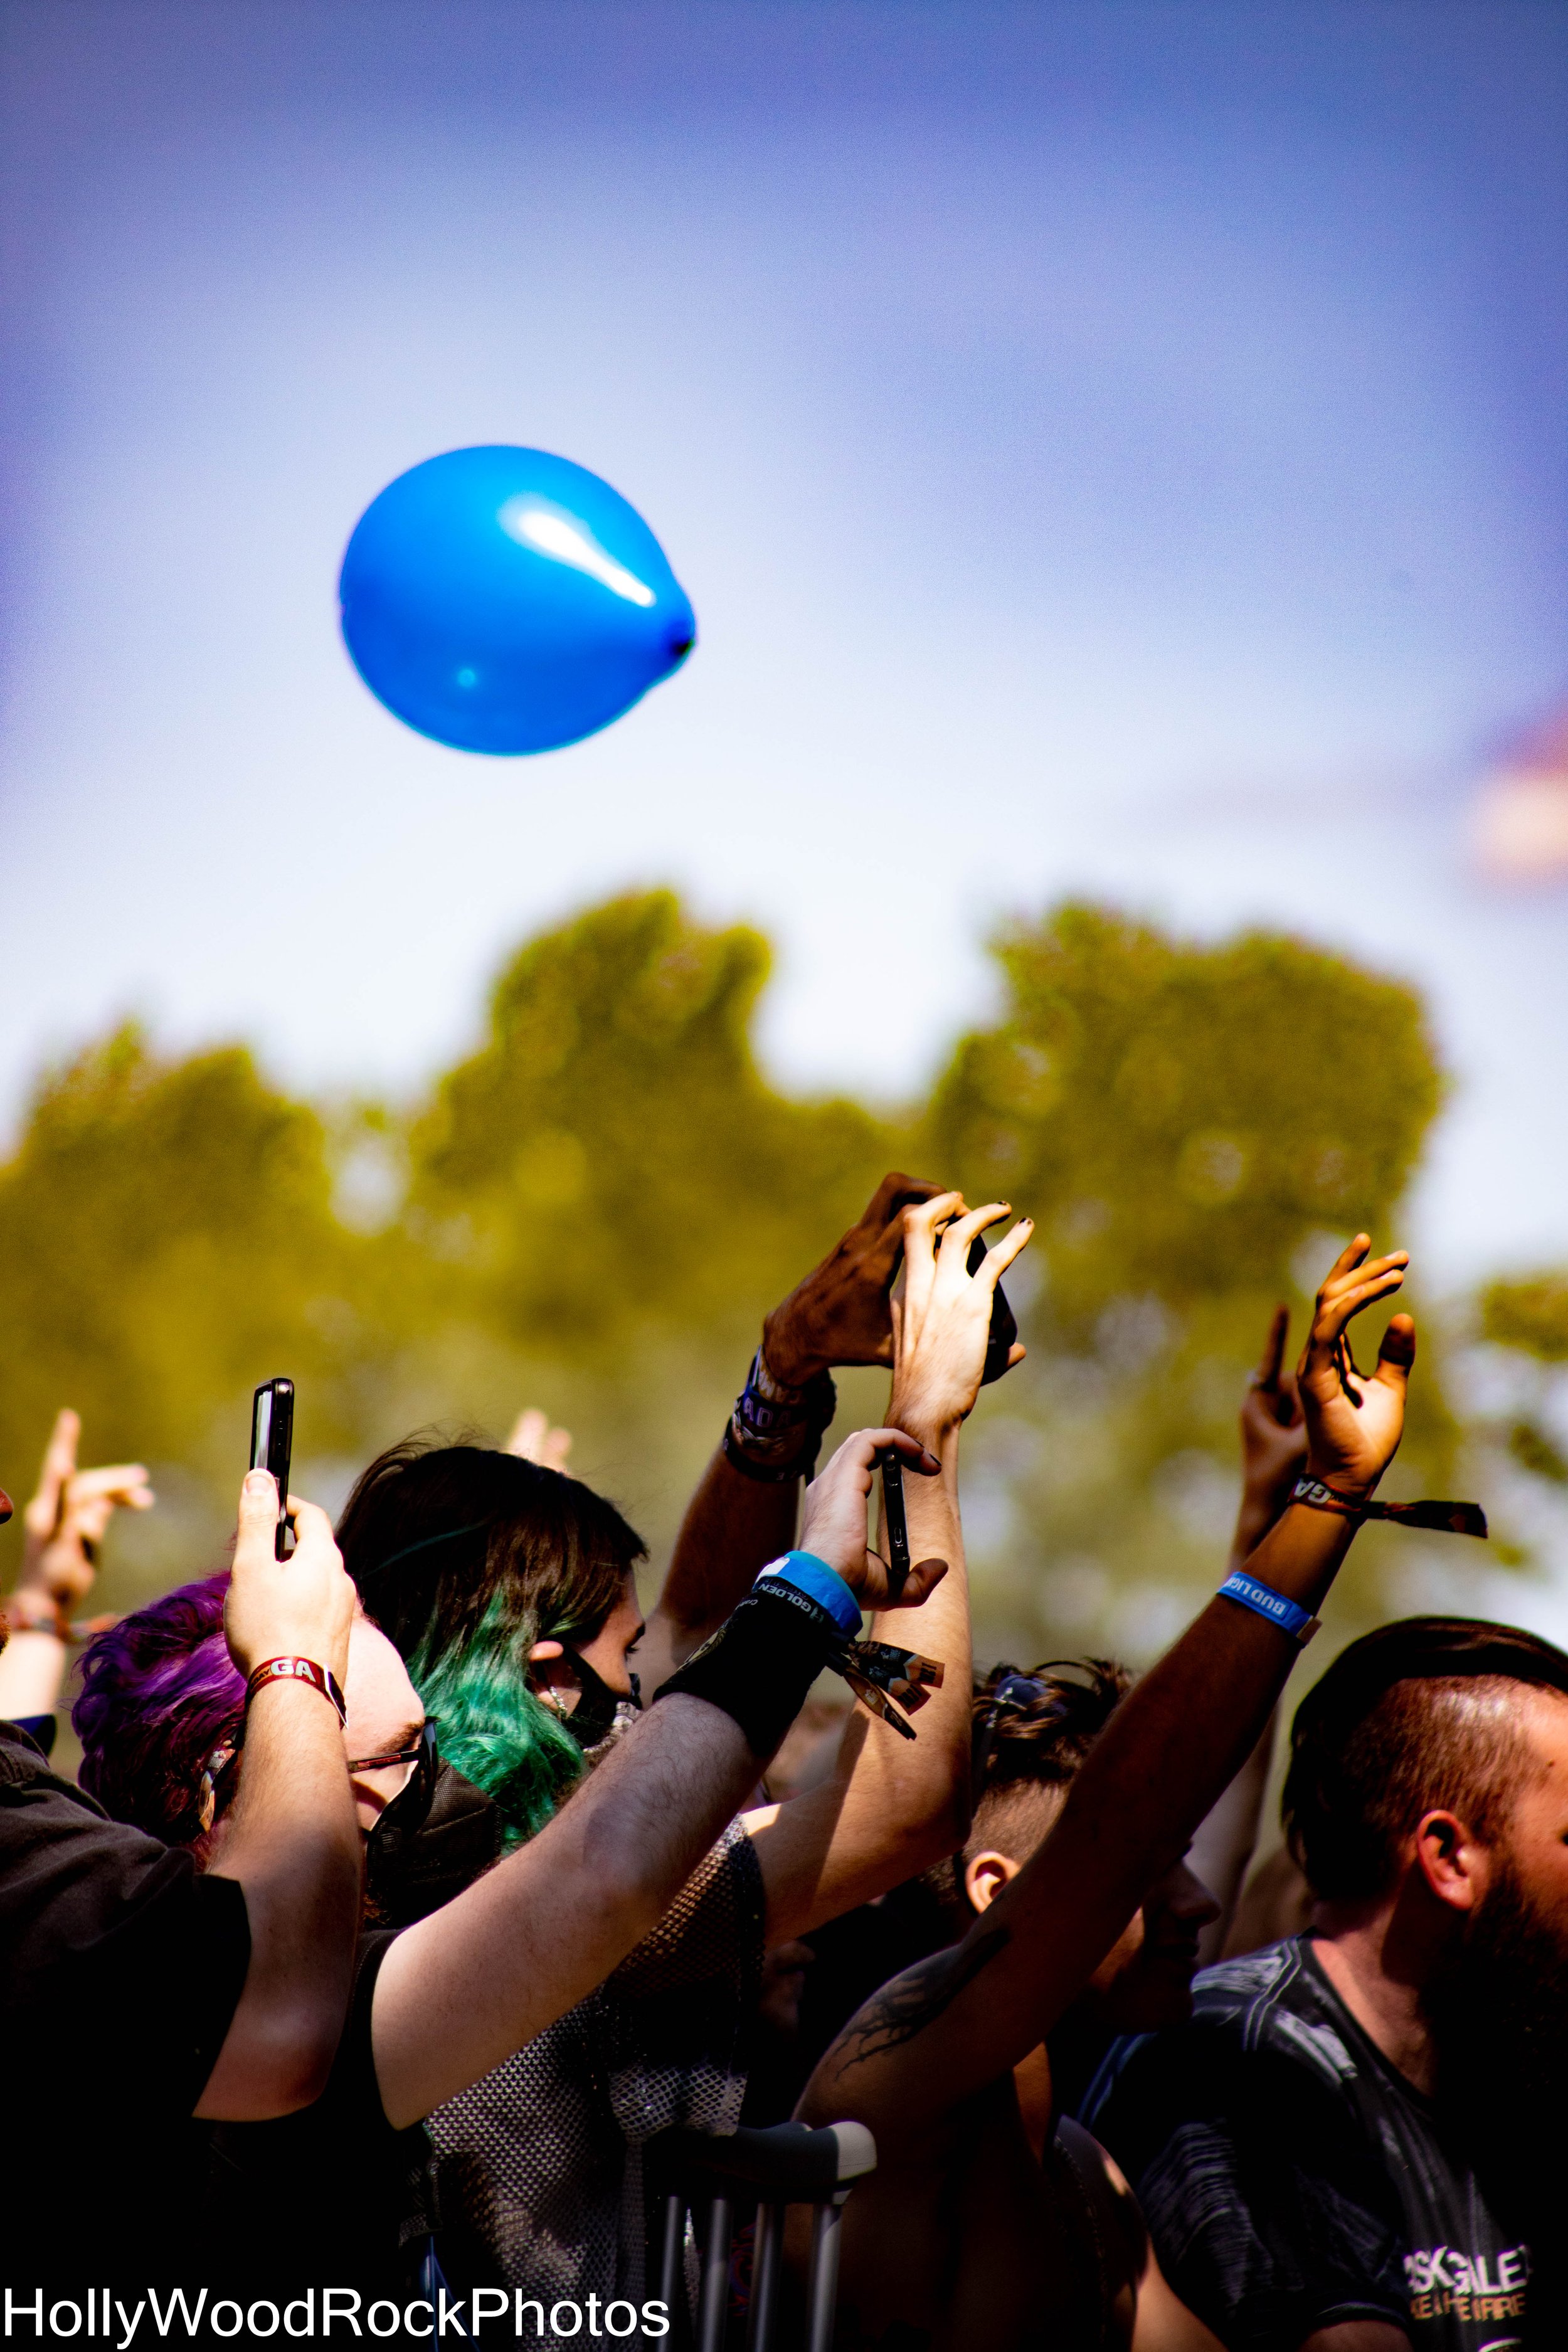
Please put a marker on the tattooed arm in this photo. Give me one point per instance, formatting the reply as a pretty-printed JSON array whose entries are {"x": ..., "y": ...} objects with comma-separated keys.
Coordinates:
[{"x": 939, "y": 2033}]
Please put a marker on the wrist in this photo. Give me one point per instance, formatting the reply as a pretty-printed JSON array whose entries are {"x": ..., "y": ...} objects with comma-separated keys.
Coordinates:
[
  {"x": 929, "y": 1425},
  {"x": 1339, "y": 1482},
  {"x": 323, "y": 1649},
  {"x": 294, "y": 1668},
  {"x": 790, "y": 1362},
  {"x": 32, "y": 1609},
  {"x": 807, "y": 1573},
  {"x": 775, "y": 1430}
]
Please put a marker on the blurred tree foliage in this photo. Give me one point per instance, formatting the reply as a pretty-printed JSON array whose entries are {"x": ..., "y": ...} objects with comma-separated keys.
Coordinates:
[
  {"x": 164, "y": 1228},
  {"x": 1197, "y": 1130},
  {"x": 593, "y": 1211},
  {"x": 1528, "y": 1317},
  {"x": 1529, "y": 1314},
  {"x": 612, "y": 1159}
]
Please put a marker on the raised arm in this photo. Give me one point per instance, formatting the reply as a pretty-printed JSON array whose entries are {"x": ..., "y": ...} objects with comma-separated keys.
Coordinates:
[
  {"x": 736, "y": 1523},
  {"x": 465, "y": 1987},
  {"x": 1273, "y": 1442},
  {"x": 293, "y": 1842},
  {"x": 62, "y": 1527},
  {"x": 943, "y": 2030},
  {"x": 1273, "y": 1456},
  {"x": 894, "y": 1805}
]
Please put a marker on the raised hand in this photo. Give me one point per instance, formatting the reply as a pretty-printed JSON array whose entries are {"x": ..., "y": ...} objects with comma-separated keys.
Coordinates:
[
  {"x": 834, "y": 1523},
  {"x": 64, "y": 1522},
  {"x": 1355, "y": 1420},
  {"x": 1273, "y": 1425},
  {"x": 299, "y": 1607},
  {"x": 533, "y": 1440},
  {"x": 943, "y": 1319},
  {"x": 839, "y": 1314}
]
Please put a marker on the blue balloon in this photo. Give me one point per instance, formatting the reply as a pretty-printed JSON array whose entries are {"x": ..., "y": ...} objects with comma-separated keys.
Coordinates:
[{"x": 503, "y": 600}]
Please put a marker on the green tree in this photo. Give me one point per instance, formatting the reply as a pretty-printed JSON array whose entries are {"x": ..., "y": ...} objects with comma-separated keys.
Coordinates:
[
  {"x": 592, "y": 1211},
  {"x": 166, "y": 1239},
  {"x": 1528, "y": 1316},
  {"x": 612, "y": 1159},
  {"x": 1195, "y": 1128}
]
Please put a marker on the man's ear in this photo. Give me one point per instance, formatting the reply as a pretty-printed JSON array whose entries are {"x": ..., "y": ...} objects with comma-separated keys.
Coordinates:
[
  {"x": 986, "y": 1875},
  {"x": 1452, "y": 1860}
]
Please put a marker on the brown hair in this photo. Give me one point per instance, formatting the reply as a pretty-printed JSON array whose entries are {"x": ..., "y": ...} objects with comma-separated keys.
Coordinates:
[
  {"x": 1031, "y": 1731},
  {"x": 1419, "y": 1714},
  {"x": 465, "y": 1557},
  {"x": 442, "y": 1541}
]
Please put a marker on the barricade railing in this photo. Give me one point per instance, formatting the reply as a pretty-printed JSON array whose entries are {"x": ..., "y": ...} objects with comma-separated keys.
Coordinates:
[{"x": 709, "y": 2177}]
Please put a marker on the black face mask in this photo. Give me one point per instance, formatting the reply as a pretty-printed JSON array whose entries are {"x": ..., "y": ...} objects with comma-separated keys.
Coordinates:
[
  {"x": 436, "y": 1838},
  {"x": 598, "y": 1708}
]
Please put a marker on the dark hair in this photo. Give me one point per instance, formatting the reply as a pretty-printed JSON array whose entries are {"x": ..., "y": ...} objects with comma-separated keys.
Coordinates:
[
  {"x": 1030, "y": 1733},
  {"x": 465, "y": 1557},
  {"x": 159, "y": 1691},
  {"x": 1420, "y": 1714}
]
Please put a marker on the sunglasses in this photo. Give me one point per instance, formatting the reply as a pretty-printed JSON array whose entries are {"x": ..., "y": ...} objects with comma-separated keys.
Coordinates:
[
  {"x": 1017, "y": 1694},
  {"x": 412, "y": 1802},
  {"x": 394, "y": 1755},
  {"x": 421, "y": 1753}
]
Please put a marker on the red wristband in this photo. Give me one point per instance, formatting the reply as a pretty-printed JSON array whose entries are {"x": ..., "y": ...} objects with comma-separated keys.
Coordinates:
[{"x": 298, "y": 1670}]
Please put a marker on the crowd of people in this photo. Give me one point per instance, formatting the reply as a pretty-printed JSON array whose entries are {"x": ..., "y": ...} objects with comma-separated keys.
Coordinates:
[{"x": 412, "y": 1883}]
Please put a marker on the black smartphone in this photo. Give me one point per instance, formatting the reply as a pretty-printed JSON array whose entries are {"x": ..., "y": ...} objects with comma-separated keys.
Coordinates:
[
  {"x": 897, "y": 1525},
  {"x": 273, "y": 1444}
]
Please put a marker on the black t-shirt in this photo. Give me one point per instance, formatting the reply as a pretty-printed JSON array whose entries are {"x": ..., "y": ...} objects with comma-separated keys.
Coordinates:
[
  {"x": 329, "y": 2197},
  {"x": 1292, "y": 2178},
  {"x": 120, "y": 1972}
]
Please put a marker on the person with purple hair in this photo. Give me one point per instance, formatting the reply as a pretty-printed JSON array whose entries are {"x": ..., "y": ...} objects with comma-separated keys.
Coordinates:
[
  {"x": 139, "y": 1993},
  {"x": 321, "y": 2198}
]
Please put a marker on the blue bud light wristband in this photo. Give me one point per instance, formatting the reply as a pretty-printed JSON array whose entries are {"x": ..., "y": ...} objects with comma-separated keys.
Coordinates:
[
  {"x": 1260, "y": 1598},
  {"x": 805, "y": 1573}
]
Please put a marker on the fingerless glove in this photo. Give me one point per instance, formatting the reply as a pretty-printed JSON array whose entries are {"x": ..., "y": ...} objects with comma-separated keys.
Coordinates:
[{"x": 762, "y": 1662}]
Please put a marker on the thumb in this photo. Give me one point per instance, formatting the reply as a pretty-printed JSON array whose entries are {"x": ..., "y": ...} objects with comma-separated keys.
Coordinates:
[
  {"x": 1397, "y": 1354},
  {"x": 920, "y": 1583},
  {"x": 258, "y": 1510}
]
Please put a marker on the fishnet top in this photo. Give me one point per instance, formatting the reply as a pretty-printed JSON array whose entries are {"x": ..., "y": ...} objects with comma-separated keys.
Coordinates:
[{"x": 539, "y": 2168}]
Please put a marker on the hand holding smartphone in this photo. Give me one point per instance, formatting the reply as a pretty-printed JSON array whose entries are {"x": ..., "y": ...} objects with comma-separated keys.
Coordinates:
[
  {"x": 272, "y": 1445},
  {"x": 895, "y": 1521},
  {"x": 1003, "y": 1323}
]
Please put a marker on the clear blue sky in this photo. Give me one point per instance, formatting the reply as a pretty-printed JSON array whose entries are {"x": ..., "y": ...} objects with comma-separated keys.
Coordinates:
[{"x": 1112, "y": 447}]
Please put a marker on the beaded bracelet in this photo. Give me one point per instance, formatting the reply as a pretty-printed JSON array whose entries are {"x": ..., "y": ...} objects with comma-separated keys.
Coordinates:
[{"x": 775, "y": 1433}]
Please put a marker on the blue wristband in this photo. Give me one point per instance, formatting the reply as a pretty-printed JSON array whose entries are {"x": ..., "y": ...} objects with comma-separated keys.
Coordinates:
[
  {"x": 1298, "y": 1623},
  {"x": 820, "y": 1584}
]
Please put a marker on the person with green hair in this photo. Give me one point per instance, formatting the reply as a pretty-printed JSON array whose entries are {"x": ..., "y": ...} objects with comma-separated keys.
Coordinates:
[
  {"x": 509, "y": 1588},
  {"x": 499, "y": 1581}
]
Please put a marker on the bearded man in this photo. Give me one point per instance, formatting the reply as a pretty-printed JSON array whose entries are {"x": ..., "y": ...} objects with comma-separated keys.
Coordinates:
[{"x": 1343, "y": 2150}]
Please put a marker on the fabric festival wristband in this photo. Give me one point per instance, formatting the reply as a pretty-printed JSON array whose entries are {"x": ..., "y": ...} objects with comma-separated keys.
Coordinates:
[
  {"x": 760, "y": 1664},
  {"x": 1287, "y": 1614},
  {"x": 802, "y": 1571},
  {"x": 298, "y": 1670},
  {"x": 1442, "y": 1519}
]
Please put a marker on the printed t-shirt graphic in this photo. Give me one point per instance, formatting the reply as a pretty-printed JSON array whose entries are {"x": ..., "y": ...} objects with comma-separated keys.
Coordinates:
[{"x": 1293, "y": 2179}]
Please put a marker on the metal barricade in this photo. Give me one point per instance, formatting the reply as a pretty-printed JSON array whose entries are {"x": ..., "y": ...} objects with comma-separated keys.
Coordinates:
[{"x": 708, "y": 2175}]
